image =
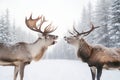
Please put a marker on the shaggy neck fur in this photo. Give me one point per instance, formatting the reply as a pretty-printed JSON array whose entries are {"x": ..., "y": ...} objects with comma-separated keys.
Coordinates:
[
  {"x": 37, "y": 49},
  {"x": 84, "y": 51}
]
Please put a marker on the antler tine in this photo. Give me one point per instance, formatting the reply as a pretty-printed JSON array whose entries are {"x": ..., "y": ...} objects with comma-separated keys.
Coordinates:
[
  {"x": 70, "y": 32},
  {"x": 49, "y": 29},
  {"x": 42, "y": 21},
  {"x": 88, "y": 32},
  {"x": 75, "y": 31},
  {"x": 31, "y": 23},
  {"x": 83, "y": 33},
  {"x": 53, "y": 29}
]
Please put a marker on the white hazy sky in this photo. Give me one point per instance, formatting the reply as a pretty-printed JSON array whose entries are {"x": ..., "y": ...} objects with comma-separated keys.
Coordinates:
[{"x": 61, "y": 12}]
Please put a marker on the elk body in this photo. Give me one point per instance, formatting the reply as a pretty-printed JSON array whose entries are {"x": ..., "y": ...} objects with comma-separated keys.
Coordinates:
[
  {"x": 21, "y": 54},
  {"x": 96, "y": 56}
]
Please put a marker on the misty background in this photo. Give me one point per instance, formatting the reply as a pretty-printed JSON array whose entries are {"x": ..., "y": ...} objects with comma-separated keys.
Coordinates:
[
  {"x": 103, "y": 13},
  {"x": 59, "y": 61}
]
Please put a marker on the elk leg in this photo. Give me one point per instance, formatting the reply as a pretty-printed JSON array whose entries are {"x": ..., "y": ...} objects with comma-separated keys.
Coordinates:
[
  {"x": 93, "y": 72},
  {"x": 99, "y": 72},
  {"x": 16, "y": 69},
  {"x": 22, "y": 66}
]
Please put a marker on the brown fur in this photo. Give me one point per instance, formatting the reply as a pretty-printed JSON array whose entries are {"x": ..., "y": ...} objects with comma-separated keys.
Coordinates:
[
  {"x": 12, "y": 53},
  {"x": 98, "y": 56},
  {"x": 21, "y": 53},
  {"x": 84, "y": 51},
  {"x": 39, "y": 56}
]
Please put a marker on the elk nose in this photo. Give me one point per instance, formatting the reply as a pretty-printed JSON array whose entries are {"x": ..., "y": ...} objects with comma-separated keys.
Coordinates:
[
  {"x": 56, "y": 37},
  {"x": 65, "y": 37}
]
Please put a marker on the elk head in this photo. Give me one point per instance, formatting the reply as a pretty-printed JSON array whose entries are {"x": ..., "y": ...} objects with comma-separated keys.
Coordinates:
[
  {"x": 77, "y": 38},
  {"x": 46, "y": 38}
]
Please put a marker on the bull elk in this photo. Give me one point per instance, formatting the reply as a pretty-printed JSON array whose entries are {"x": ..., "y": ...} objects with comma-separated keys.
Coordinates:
[
  {"x": 96, "y": 56},
  {"x": 21, "y": 53}
]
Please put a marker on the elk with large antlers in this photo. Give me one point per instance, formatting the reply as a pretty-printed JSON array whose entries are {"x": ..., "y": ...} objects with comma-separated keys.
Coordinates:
[
  {"x": 96, "y": 56},
  {"x": 21, "y": 53}
]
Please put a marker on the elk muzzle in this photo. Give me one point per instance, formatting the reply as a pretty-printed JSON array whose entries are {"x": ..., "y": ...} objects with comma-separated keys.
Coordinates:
[
  {"x": 67, "y": 39},
  {"x": 55, "y": 38}
]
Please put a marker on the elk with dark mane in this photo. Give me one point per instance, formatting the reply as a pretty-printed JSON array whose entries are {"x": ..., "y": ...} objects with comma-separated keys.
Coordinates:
[
  {"x": 96, "y": 56},
  {"x": 21, "y": 53}
]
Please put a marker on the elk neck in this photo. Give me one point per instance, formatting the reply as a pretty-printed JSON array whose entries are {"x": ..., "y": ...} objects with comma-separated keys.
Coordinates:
[
  {"x": 37, "y": 49},
  {"x": 84, "y": 51}
]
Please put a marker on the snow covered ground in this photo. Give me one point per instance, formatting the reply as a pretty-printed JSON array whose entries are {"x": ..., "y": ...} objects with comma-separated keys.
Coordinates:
[{"x": 57, "y": 70}]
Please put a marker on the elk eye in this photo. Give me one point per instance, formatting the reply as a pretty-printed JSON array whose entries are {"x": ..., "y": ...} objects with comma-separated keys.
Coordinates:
[{"x": 74, "y": 36}]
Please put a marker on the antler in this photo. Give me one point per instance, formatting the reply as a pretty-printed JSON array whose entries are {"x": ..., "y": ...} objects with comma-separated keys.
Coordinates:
[
  {"x": 89, "y": 31},
  {"x": 75, "y": 32},
  {"x": 31, "y": 24},
  {"x": 84, "y": 33}
]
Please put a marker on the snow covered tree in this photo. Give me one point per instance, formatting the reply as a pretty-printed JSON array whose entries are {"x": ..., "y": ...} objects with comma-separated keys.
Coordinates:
[
  {"x": 84, "y": 19},
  {"x": 86, "y": 16},
  {"x": 114, "y": 24},
  {"x": 10, "y": 32},
  {"x": 87, "y": 19},
  {"x": 4, "y": 27},
  {"x": 100, "y": 18}
]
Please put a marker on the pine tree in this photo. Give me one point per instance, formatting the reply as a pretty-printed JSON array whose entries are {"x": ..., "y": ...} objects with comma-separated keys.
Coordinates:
[
  {"x": 114, "y": 24},
  {"x": 8, "y": 26},
  {"x": 100, "y": 18},
  {"x": 86, "y": 16},
  {"x": 2, "y": 30},
  {"x": 6, "y": 31}
]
